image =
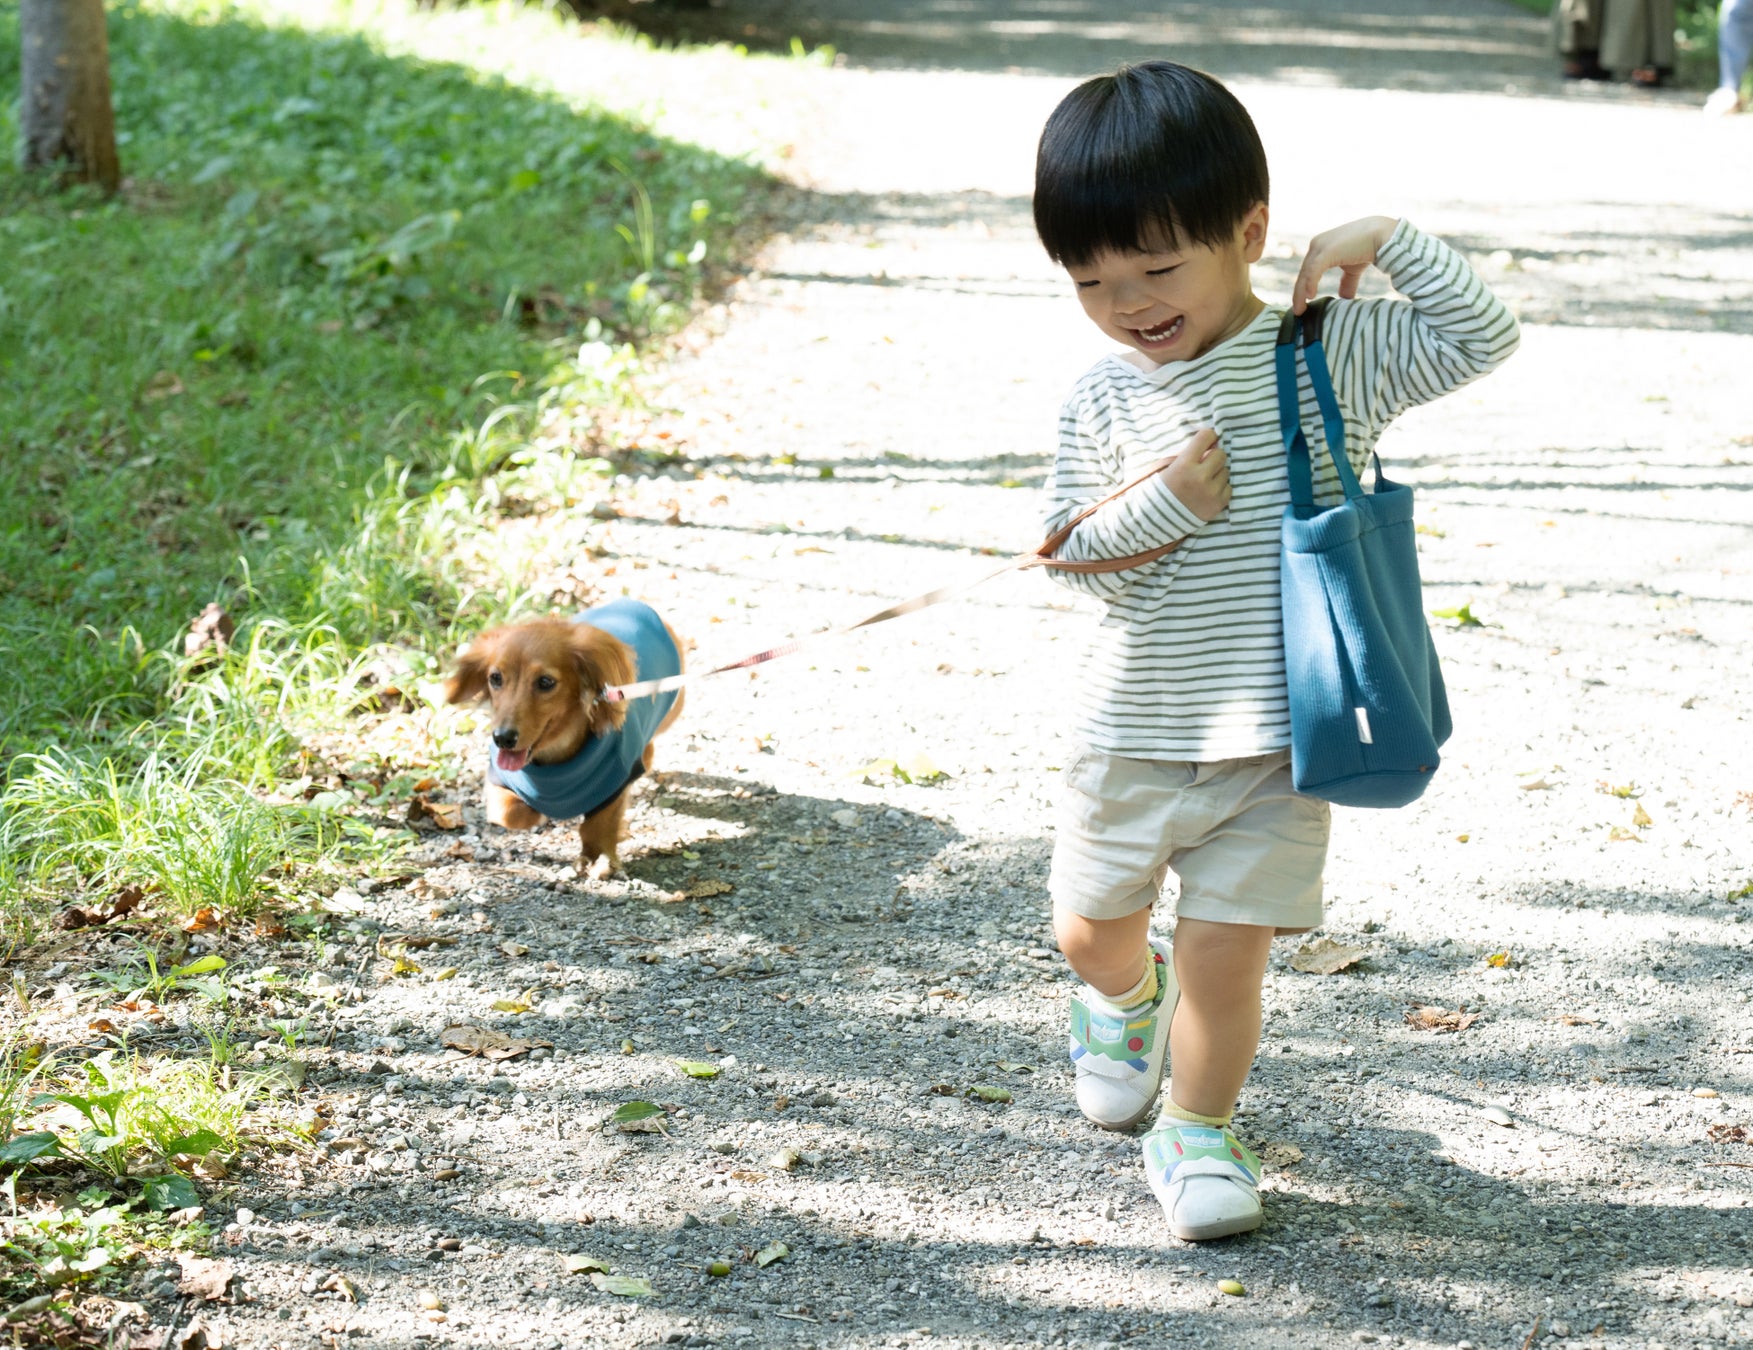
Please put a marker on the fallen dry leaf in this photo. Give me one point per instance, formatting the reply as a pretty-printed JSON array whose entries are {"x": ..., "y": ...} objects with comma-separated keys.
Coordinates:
[
  {"x": 442, "y": 815},
  {"x": 210, "y": 630},
  {"x": 1281, "y": 1154},
  {"x": 123, "y": 902},
  {"x": 1324, "y": 956},
  {"x": 203, "y": 920},
  {"x": 707, "y": 886},
  {"x": 1429, "y": 1017},
  {"x": 1728, "y": 1134},
  {"x": 487, "y": 1043},
  {"x": 205, "y": 1279}
]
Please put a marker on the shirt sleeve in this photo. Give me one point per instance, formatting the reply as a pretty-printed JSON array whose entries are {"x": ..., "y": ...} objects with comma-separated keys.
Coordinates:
[
  {"x": 1393, "y": 354},
  {"x": 1085, "y": 470}
]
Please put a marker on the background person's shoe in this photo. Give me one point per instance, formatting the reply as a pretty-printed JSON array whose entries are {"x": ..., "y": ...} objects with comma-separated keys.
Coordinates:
[
  {"x": 1208, "y": 1183},
  {"x": 1723, "y": 102},
  {"x": 1118, "y": 1053}
]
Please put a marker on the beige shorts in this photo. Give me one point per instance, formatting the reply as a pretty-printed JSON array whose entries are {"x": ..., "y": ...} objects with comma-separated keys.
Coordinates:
[{"x": 1246, "y": 847}]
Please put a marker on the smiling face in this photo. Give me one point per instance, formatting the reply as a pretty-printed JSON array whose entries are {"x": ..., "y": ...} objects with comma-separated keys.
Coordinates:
[
  {"x": 543, "y": 679},
  {"x": 1175, "y": 303}
]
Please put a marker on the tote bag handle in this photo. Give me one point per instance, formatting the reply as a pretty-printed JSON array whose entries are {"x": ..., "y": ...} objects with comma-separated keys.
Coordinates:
[{"x": 1296, "y": 445}]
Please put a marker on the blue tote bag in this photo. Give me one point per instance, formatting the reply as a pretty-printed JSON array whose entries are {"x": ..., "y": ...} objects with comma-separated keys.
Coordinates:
[{"x": 1367, "y": 705}]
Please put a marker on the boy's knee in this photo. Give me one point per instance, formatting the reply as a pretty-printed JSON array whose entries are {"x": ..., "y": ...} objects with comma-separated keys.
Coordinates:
[{"x": 1096, "y": 943}]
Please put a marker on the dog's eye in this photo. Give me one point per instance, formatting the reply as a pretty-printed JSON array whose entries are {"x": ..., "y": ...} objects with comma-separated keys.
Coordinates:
[
  {"x": 546, "y": 683},
  {"x": 495, "y": 679}
]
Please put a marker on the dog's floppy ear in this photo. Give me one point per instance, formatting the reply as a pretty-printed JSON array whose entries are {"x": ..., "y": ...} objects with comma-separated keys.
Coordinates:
[
  {"x": 603, "y": 659},
  {"x": 469, "y": 680}
]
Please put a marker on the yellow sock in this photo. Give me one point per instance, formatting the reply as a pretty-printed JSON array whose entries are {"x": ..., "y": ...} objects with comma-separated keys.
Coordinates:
[
  {"x": 1142, "y": 993},
  {"x": 1187, "y": 1117}
]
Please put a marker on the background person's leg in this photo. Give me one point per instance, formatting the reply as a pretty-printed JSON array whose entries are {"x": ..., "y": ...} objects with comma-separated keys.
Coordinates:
[{"x": 1734, "y": 42}]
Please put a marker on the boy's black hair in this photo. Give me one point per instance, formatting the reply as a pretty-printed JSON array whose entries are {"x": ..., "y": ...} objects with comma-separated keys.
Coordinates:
[{"x": 1151, "y": 156}]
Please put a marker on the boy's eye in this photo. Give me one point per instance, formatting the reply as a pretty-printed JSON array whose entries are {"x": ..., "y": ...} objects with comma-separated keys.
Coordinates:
[
  {"x": 1162, "y": 271},
  {"x": 1085, "y": 285}
]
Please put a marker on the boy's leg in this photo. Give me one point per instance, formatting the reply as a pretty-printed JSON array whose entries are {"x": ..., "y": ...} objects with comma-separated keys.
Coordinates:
[
  {"x": 1109, "y": 854},
  {"x": 1256, "y": 870},
  {"x": 1120, "y": 1019},
  {"x": 1221, "y": 968},
  {"x": 1208, "y": 1183}
]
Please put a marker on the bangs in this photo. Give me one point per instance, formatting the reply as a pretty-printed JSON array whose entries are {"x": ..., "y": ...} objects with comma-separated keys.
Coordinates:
[{"x": 1148, "y": 159}]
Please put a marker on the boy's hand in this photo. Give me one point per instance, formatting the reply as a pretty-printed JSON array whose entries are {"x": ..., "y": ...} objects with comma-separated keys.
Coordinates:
[
  {"x": 1200, "y": 475},
  {"x": 1351, "y": 248}
]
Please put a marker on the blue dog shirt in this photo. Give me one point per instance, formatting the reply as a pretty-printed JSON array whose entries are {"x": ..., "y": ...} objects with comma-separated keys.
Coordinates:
[{"x": 609, "y": 763}]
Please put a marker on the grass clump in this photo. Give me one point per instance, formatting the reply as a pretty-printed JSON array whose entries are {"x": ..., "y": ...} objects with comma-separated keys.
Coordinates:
[
  {"x": 354, "y": 306},
  {"x": 128, "y": 1133},
  {"x": 72, "y": 822}
]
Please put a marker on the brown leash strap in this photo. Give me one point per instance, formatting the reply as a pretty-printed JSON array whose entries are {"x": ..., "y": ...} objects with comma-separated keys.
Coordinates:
[{"x": 1022, "y": 562}]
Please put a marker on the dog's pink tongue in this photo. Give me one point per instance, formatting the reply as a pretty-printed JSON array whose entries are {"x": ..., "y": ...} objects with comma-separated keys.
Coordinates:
[{"x": 510, "y": 761}]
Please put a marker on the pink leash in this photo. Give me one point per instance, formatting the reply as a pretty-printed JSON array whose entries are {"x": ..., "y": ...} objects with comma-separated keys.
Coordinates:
[{"x": 1039, "y": 557}]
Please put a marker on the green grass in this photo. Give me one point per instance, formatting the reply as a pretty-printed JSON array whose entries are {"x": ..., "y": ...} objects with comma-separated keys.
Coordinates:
[{"x": 350, "y": 300}]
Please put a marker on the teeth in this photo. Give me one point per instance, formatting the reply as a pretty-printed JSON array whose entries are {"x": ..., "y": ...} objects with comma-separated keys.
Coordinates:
[{"x": 1158, "y": 334}]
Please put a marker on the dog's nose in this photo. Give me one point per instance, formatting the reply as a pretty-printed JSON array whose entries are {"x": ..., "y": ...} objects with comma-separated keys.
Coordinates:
[{"x": 505, "y": 738}]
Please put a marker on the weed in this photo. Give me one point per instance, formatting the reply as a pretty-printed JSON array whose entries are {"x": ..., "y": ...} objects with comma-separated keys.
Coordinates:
[
  {"x": 198, "y": 844},
  {"x": 127, "y": 1117},
  {"x": 23, "y": 1060}
]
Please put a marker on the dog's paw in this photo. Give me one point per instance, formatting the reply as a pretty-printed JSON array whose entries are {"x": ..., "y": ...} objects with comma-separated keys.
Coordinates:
[{"x": 601, "y": 869}]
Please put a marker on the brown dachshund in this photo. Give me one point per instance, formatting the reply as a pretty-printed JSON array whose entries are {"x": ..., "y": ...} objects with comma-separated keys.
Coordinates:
[{"x": 562, "y": 750}]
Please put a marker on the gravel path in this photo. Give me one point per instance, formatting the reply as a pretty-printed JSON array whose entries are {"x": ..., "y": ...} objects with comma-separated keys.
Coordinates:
[{"x": 872, "y": 408}]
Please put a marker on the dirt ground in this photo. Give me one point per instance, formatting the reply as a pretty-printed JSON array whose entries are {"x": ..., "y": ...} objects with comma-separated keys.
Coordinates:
[{"x": 871, "y": 410}]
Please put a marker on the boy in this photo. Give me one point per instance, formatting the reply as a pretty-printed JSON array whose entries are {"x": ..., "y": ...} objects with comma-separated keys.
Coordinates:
[{"x": 1151, "y": 191}]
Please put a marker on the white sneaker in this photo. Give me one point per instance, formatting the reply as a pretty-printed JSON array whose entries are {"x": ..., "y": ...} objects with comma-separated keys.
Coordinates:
[
  {"x": 1208, "y": 1183},
  {"x": 1119, "y": 1054},
  {"x": 1723, "y": 101}
]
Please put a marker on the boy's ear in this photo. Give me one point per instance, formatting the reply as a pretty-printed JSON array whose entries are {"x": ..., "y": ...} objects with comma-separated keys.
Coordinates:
[
  {"x": 1254, "y": 232},
  {"x": 602, "y": 659},
  {"x": 469, "y": 680}
]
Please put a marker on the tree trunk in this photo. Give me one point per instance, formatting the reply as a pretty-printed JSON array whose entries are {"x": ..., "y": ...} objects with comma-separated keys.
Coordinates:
[{"x": 65, "y": 114}]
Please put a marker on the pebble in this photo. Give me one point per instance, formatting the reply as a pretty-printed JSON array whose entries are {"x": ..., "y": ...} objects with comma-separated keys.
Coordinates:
[
  {"x": 1498, "y": 1116},
  {"x": 245, "y": 1216},
  {"x": 428, "y": 1298},
  {"x": 1705, "y": 1092},
  {"x": 847, "y": 819},
  {"x": 1233, "y": 1288}
]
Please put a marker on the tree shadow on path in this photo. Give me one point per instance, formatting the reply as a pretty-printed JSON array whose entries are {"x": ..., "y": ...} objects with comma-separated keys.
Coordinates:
[{"x": 1473, "y": 45}]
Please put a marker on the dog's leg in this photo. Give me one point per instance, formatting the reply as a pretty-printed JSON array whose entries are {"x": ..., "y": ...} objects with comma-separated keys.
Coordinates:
[
  {"x": 509, "y": 811},
  {"x": 599, "y": 838}
]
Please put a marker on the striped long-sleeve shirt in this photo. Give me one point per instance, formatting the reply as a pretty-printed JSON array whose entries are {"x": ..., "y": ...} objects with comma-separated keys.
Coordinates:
[{"x": 1188, "y": 662}]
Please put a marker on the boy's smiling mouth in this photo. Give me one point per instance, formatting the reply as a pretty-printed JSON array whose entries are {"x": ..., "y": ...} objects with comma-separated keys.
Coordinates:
[{"x": 1162, "y": 334}]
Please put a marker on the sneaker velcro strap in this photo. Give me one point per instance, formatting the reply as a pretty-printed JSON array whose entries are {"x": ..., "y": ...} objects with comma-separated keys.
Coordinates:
[
  {"x": 1196, "y": 1150},
  {"x": 1116, "y": 1037}
]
